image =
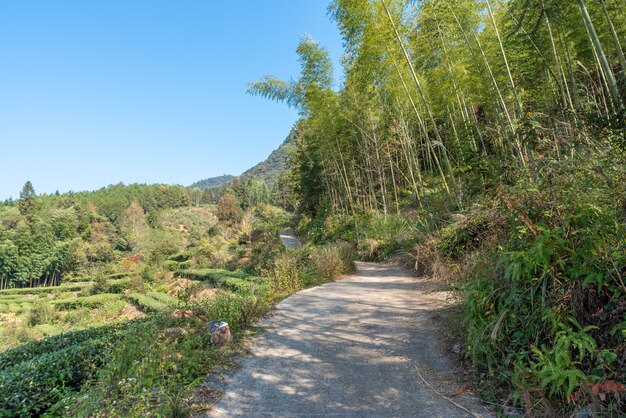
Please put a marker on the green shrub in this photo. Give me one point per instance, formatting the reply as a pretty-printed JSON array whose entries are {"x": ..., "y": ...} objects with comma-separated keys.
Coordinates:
[
  {"x": 34, "y": 349},
  {"x": 238, "y": 310},
  {"x": 29, "y": 388},
  {"x": 42, "y": 313},
  {"x": 174, "y": 265},
  {"x": 209, "y": 275},
  {"x": 235, "y": 281},
  {"x": 549, "y": 310},
  {"x": 268, "y": 248},
  {"x": 332, "y": 261},
  {"x": 100, "y": 285},
  {"x": 238, "y": 285},
  {"x": 116, "y": 276},
  {"x": 118, "y": 285},
  {"x": 146, "y": 303},
  {"x": 137, "y": 283},
  {"x": 10, "y": 298},
  {"x": 47, "y": 289},
  {"x": 286, "y": 276},
  {"x": 48, "y": 329},
  {"x": 164, "y": 297},
  {"x": 181, "y": 257},
  {"x": 85, "y": 301},
  {"x": 25, "y": 306}
]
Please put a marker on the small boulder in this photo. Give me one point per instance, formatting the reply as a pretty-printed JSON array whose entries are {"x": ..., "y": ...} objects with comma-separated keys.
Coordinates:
[{"x": 220, "y": 333}]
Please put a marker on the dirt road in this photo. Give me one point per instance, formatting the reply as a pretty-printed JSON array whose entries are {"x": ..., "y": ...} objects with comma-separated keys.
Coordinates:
[{"x": 350, "y": 348}]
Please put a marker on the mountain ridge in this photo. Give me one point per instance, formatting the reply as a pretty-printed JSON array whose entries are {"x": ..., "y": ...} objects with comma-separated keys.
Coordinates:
[{"x": 268, "y": 170}]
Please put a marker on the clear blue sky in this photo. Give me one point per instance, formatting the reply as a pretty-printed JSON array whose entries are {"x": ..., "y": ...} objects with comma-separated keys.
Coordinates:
[{"x": 101, "y": 91}]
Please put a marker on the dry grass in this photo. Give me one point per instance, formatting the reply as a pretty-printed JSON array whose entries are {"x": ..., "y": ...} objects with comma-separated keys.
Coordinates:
[{"x": 130, "y": 312}]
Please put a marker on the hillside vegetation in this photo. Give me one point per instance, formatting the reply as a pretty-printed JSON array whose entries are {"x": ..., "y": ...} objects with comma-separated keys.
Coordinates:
[
  {"x": 213, "y": 182},
  {"x": 482, "y": 142},
  {"x": 273, "y": 167},
  {"x": 269, "y": 177},
  {"x": 107, "y": 296}
]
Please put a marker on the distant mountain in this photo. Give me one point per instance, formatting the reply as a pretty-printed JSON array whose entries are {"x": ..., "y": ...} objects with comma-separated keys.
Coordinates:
[
  {"x": 268, "y": 170},
  {"x": 213, "y": 182},
  {"x": 271, "y": 169}
]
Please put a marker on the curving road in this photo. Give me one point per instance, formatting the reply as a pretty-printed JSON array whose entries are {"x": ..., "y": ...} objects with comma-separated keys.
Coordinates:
[
  {"x": 349, "y": 348},
  {"x": 289, "y": 238}
]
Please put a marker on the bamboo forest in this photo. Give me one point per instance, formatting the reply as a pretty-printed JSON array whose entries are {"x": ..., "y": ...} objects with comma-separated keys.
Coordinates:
[{"x": 454, "y": 187}]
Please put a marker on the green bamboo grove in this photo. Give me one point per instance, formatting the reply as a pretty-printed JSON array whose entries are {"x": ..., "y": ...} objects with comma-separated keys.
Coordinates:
[{"x": 435, "y": 92}]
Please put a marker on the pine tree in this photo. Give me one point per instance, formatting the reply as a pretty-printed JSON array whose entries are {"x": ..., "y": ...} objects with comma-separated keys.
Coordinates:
[{"x": 26, "y": 202}]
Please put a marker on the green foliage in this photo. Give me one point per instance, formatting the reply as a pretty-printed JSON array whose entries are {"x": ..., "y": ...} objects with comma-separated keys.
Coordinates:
[
  {"x": 147, "y": 303},
  {"x": 286, "y": 276},
  {"x": 548, "y": 316},
  {"x": 558, "y": 367},
  {"x": 100, "y": 285},
  {"x": 213, "y": 182},
  {"x": 266, "y": 248},
  {"x": 195, "y": 222},
  {"x": 308, "y": 266},
  {"x": 213, "y": 276},
  {"x": 271, "y": 218},
  {"x": 35, "y": 376},
  {"x": 42, "y": 313},
  {"x": 235, "y": 281},
  {"x": 76, "y": 233},
  {"x": 376, "y": 237},
  {"x": 146, "y": 368},
  {"x": 45, "y": 289},
  {"x": 118, "y": 285},
  {"x": 85, "y": 301},
  {"x": 481, "y": 139},
  {"x": 150, "y": 372},
  {"x": 173, "y": 265},
  {"x": 333, "y": 261},
  {"x": 48, "y": 330},
  {"x": 60, "y": 371},
  {"x": 35, "y": 349},
  {"x": 164, "y": 298},
  {"x": 27, "y": 203}
]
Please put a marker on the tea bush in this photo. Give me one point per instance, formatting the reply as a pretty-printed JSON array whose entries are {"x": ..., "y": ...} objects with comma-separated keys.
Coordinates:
[
  {"x": 147, "y": 303},
  {"x": 85, "y": 301},
  {"x": 164, "y": 298}
]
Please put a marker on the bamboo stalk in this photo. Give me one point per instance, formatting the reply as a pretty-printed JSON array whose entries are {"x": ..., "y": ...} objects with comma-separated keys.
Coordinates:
[
  {"x": 425, "y": 102},
  {"x": 609, "y": 77},
  {"x": 518, "y": 104},
  {"x": 618, "y": 46}
]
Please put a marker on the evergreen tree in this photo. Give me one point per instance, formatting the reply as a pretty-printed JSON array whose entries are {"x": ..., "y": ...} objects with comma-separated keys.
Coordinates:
[{"x": 26, "y": 203}]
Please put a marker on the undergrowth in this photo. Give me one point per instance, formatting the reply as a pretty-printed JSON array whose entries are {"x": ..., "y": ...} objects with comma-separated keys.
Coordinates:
[
  {"x": 539, "y": 260},
  {"x": 154, "y": 370}
]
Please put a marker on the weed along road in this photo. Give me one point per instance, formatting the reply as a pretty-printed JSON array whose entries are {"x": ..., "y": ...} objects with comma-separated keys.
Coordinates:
[{"x": 363, "y": 346}]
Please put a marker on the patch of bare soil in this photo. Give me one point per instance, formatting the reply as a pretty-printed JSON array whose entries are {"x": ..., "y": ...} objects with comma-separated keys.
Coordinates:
[
  {"x": 195, "y": 291},
  {"x": 131, "y": 312},
  {"x": 203, "y": 294}
]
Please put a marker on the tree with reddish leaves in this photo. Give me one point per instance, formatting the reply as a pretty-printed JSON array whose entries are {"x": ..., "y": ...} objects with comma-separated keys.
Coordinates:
[{"x": 228, "y": 209}]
